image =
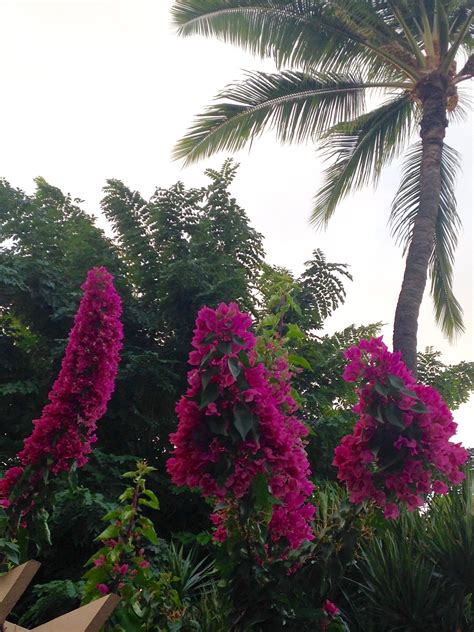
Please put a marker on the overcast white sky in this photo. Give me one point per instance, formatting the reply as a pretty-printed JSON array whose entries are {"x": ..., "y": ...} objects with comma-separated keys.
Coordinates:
[{"x": 95, "y": 89}]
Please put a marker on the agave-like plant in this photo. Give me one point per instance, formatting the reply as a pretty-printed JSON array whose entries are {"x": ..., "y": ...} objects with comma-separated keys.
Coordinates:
[
  {"x": 331, "y": 55},
  {"x": 417, "y": 574}
]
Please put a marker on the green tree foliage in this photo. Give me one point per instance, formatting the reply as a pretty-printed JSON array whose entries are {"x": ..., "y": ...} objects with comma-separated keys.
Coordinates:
[
  {"x": 332, "y": 59},
  {"x": 172, "y": 254},
  {"x": 455, "y": 382}
]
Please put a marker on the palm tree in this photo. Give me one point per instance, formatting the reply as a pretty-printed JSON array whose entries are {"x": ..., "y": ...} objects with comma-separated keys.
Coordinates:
[{"x": 331, "y": 55}]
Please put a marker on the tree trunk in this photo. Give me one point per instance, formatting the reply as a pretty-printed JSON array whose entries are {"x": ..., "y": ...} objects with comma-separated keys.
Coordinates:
[{"x": 432, "y": 93}]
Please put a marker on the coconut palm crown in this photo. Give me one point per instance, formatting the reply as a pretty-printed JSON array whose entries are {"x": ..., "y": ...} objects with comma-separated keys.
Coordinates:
[{"x": 331, "y": 56}]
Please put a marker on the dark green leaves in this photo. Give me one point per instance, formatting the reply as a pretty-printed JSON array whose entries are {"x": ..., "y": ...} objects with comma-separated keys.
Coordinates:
[
  {"x": 225, "y": 347},
  {"x": 234, "y": 367},
  {"x": 244, "y": 420},
  {"x": 395, "y": 381},
  {"x": 298, "y": 106},
  {"x": 387, "y": 410},
  {"x": 209, "y": 394},
  {"x": 359, "y": 149},
  {"x": 217, "y": 425}
]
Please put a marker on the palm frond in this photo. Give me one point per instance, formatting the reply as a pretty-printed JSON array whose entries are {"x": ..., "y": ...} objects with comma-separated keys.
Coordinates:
[
  {"x": 299, "y": 33},
  {"x": 297, "y": 106},
  {"x": 448, "y": 312},
  {"x": 358, "y": 151}
]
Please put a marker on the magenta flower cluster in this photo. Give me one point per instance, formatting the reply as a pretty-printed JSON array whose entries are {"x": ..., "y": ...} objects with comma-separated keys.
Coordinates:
[
  {"x": 64, "y": 433},
  {"x": 400, "y": 449},
  {"x": 236, "y": 422}
]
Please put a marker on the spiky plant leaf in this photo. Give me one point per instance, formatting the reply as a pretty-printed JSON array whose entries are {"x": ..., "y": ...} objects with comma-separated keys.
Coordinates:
[
  {"x": 320, "y": 35},
  {"x": 298, "y": 106},
  {"x": 448, "y": 311},
  {"x": 358, "y": 151}
]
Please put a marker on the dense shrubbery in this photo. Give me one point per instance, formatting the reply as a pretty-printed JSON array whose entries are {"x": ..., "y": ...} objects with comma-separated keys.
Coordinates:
[{"x": 281, "y": 563}]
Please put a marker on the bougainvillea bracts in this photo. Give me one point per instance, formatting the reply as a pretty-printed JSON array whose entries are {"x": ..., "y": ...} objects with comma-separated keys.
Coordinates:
[
  {"x": 400, "y": 449},
  {"x": 237, "y": 435},
  {"x": 64, "y": 433}
]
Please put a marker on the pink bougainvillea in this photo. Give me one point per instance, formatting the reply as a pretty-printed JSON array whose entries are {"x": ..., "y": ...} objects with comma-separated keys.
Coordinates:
[
  {"x": 237, "y": 428},
  {"x": 399, "y": 450},
  {"x": 66, "y": 429}
]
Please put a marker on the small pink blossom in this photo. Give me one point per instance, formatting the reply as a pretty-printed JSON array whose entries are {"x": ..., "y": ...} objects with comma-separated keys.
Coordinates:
[
  {"x": 100, "y": 561},
  {"x": 103, "y": 589},
  {"x": 439, "y": 487},
  {"x": 121, "y": 569},
  {"x": 330, "y": 609},
  {"x": 391, "y": 511}
]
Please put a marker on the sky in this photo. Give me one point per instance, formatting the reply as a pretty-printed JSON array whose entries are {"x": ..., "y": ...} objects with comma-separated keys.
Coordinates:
[{"x": 97, "y": 89}]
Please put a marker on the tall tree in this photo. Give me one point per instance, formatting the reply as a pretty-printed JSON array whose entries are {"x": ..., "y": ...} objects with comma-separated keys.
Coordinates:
[{"x": 335, "y": 53}]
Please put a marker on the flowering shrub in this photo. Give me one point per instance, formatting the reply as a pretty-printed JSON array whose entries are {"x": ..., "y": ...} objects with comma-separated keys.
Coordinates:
[
  {"x": 64, "y": 433},
  {"x": 121, "y": 560},
  {"x": 238, "y": 440},
  {"x": 399, "y": 450},
  {"x": 149, "y": 597}
]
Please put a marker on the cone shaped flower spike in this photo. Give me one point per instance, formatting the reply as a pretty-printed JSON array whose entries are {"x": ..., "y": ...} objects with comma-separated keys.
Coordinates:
[
  {"x": 237, "y": 436},
  {"x": 65, "y": 432}
]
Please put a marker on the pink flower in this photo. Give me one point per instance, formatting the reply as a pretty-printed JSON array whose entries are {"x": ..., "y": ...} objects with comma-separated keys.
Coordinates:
[
  {"x": 121, "y": 569},
  {"x": 211, "y": 439},
  {"x": 330, "y": 609},
  {"x": 100, "y": 561},
  {"x": 103, "y": 589},
  {"x": 144, "y": 564},
  {"x": 439, "y": 487},
  {"x": 412, "y": 423},
  {"x": 391, "y": 511},
  {"x": 65, "y": 432}
]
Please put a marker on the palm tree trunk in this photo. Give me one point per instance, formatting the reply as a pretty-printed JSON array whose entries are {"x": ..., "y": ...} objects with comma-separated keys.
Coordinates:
[{"x": 432, "y": 93}]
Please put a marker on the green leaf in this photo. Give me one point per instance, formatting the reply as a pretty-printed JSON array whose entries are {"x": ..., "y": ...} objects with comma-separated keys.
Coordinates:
[
  {"x": 419, "y": 407},
  {"x": 381, "y": 389},
  {"x": 394, "y": 415},
  {"x": 207, "y": 375},
  {"x": 153, "y": 498},
  {"x": 263, "y": 497},
  {"x": 297, "y": 105},
  {"x": 225, "y": 347},
  {"x": 243, "y": 357},
  {"x": 396, "y": 382},
  {"x": 209, "y": 338},
  {"x": 358, "y": 150},
  {"x": 217, "y": 425},
  {"x": 207, "y": 358},
  {"x": 297, "y": 360},
  {"x": 294, "y": 332},
  {"x": 234, "y": 367},
  {"x": 10, "y": 550},
  {"x": 150, "y": 534},
  {"x": 244, "y": 420},
  {"x": 111, "y": 531},
  {"x": 375, "y": 411},
  {"x": 242, "y": 382},
  {"x": 209, "y": 394}
]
